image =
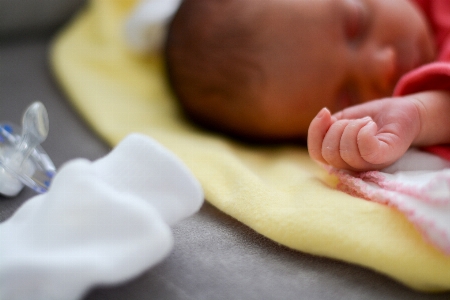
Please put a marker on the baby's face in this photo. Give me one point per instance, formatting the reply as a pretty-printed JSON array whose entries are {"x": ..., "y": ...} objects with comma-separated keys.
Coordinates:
[{"x": 337, "y": 53}]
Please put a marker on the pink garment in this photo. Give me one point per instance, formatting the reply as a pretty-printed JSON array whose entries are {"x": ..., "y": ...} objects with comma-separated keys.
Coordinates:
[{"x": 417, "y": 185}]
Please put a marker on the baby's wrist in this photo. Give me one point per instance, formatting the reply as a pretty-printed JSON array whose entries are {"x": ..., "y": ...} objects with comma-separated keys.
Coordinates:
[{"x": 433, "y": 108}]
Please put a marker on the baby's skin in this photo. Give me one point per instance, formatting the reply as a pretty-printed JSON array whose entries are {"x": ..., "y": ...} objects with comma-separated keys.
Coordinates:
[{"x": 375, "y": 134}]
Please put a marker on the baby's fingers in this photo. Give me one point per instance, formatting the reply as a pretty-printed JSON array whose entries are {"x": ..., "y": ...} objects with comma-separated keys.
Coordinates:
[
  {"x": 331, "y": 145},
  {"x": 316, "y": 133},
  {"x": 353, "y": 145},
  {"x": 350, "y": 143},
  {"x": 380, "y": 149}
]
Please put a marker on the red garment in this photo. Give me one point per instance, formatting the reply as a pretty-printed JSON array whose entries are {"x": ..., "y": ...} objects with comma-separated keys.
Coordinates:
[{"x": 436, "y": 75}]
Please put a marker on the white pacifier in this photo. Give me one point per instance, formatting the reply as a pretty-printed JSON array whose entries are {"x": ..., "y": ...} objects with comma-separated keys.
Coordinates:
[{"x": 22, "y": 160}]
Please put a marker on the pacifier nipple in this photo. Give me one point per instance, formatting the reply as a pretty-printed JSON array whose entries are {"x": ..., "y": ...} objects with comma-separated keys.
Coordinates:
[{"x": 22, "y": 160}]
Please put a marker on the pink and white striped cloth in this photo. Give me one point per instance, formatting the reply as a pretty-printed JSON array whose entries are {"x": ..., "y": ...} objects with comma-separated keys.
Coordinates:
[{"x": 418, "y": 185}]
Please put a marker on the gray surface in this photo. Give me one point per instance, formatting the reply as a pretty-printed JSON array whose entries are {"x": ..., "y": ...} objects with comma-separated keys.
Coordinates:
[
  {"x": 215, "y": 257},
  {"x": 25, "y": 17}
]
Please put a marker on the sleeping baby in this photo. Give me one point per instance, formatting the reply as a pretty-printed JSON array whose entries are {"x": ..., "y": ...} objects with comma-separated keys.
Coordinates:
[{"x": 266, "y": 70}]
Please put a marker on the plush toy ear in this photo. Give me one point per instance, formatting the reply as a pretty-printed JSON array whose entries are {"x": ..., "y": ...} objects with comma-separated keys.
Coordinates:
[{"x": 146, "y": 27}]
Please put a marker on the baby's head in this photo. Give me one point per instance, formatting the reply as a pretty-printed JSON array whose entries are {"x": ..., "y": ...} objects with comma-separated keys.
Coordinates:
[{"x": 264, "y": 68}]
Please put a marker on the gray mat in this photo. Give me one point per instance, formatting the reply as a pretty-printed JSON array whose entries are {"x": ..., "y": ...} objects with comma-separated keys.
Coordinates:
[{"x": 215, "y": 257}]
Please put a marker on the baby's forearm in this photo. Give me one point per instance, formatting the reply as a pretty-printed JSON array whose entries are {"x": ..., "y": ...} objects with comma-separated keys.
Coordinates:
[{"x": 434, "y": 111}]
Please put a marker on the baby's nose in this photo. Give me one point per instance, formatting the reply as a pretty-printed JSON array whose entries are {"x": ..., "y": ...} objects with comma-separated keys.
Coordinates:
[
  {"x": 379, "y": 68},
  {"x": 386, "y": 63}
]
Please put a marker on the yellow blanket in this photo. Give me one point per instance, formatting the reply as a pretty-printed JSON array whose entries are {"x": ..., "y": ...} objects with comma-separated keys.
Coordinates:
[{"x": 277, "y": 191}]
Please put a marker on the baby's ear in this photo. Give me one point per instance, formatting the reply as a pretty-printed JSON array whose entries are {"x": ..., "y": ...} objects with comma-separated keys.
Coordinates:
[{"x": 146, "y": 27}]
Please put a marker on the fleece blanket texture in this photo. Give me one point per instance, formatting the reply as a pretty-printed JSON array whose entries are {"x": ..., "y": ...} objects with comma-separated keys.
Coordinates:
[{"x": 277, "y": 191}]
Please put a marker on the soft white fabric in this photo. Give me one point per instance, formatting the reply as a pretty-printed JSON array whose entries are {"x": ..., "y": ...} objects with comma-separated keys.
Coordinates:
[
  {"x": 101, "y": 222},
  {"x": 146, "y": 28},
  {"x": 418, "y": 185}
]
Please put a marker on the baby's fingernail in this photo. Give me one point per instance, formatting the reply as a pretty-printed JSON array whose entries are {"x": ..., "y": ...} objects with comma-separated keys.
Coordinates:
[
  {"x": 322, "y": 112},
  {"x": 367, "y": 119}
]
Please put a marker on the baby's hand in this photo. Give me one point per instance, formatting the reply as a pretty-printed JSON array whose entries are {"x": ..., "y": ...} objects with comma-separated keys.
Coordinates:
[{"x": 369, "y": 136}]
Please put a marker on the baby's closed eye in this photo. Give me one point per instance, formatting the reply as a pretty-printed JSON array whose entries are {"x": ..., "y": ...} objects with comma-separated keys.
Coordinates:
[{"x": 356, "y": 21}]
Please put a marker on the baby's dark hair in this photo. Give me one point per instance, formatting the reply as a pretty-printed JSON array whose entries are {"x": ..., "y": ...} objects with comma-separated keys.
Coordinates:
[{"x": 212, "y": 56}]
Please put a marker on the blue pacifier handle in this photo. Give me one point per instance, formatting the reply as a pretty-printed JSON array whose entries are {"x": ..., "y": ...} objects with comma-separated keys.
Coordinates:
[{"x": 22, "y": 160}]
